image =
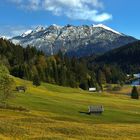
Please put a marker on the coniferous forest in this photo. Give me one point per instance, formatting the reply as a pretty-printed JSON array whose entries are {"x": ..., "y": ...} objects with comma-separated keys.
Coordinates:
[
  {"x": 27, "y": 63},
  {"x": 126, "y": 57}
]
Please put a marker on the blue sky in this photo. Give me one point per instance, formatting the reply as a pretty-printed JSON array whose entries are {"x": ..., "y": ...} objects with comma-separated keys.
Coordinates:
[{"x": 17, "y": 16}]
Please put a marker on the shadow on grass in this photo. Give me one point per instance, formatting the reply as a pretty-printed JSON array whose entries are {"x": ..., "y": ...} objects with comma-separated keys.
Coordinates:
[
  {"x": 82, "y": 112},
  {"x": 87, "y": 113}
]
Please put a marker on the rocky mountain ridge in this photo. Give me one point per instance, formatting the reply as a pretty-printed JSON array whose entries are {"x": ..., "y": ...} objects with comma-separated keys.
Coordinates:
[{"x": 74, "y": 40}]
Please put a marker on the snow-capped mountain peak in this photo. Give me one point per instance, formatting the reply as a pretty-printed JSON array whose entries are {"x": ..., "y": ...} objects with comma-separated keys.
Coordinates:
[
  {"x": 78, "y": 40},
  {"x": 55, "y": 25},
  {"x": 36, "y": 30},
  {"x": 39, "y": 28},
  {"x": 26, "y": 33},
  {"x": 106, "y": 28}
]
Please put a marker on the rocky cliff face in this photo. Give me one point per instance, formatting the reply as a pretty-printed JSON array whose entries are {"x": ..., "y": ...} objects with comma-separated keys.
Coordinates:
[{"x": 73, "y": 40}]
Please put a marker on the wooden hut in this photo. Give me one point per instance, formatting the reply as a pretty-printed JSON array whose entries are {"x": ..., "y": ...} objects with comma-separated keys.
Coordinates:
[
  {"x": 96, "y": 109},
  {"x": 21, "y": 88}
]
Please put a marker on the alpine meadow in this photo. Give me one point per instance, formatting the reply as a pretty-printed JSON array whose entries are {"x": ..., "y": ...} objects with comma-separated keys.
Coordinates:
[{"x": 69, "y": 70}]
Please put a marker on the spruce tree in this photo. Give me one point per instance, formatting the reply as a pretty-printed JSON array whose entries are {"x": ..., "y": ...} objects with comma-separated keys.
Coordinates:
[
  {"x": 101, "y": 77},
  {"x": 84, "y": 85},
  {"x": 134, "y": 93},
  {"x": 36, "y": 80}
]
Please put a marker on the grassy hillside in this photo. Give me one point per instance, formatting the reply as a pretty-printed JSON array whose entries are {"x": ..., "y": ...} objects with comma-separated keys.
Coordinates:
[{"x": 55, "y": 115}]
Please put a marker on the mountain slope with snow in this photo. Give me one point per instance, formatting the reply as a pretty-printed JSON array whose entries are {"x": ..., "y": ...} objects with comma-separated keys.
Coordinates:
[
  {"x": 73, "y": 40},
  {"x": 106, "y": 28}
]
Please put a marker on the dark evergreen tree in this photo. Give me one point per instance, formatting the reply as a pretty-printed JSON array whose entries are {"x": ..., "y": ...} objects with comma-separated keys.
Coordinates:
[
  {"x": 101, "y": 77},
  {"x": 36, "y": 81},
  {"x": 134, "y": 93},
  {"x": 84, "y": 85}
]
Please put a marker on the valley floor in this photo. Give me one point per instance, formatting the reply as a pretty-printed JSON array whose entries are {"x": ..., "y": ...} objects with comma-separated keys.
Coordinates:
[{"x": 56, "y": 114}]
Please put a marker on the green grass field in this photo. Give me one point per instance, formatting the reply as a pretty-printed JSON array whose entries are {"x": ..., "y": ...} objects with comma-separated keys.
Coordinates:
[{"x": 55, "y": 115}]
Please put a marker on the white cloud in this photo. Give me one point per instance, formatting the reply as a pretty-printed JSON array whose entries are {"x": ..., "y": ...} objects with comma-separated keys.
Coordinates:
[
  {"x": 16, "y": 1},
  {"x": 73, "y": 9},
  {"x": 11, "y": 31},
  {"x": 34, "y": 4}
]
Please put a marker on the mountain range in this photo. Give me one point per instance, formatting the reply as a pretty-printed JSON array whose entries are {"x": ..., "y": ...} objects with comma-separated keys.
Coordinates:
[{"x": 73, "y": 40}]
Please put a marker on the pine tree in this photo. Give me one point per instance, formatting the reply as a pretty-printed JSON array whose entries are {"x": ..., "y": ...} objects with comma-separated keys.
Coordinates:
[
  {"x": 101, "y": 77},
  {"x": 36, "y": 81},
  {"x": 134, "y": 93},
  {"x": 84, "y": 85}
]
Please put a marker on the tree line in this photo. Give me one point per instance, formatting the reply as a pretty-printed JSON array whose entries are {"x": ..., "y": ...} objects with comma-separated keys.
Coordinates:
[{"x": 31, "y": 64}]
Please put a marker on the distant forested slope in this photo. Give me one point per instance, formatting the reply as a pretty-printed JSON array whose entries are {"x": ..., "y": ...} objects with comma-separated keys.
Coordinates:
[
  {"x": 127, "y": 57},
  {"x": 59, "y": 69}
]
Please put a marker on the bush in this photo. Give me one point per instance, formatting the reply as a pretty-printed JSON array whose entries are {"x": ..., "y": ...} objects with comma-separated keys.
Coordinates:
[{"x": 6, "y": 84}]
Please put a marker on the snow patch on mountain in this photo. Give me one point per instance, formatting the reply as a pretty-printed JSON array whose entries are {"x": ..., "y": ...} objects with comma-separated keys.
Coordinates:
[
  {"x": 84, "y": 39},
  {"x": 26, "y": 33},
  {"x": 39, "y": 28},
  {"x": 107, "y": 28},
  {"x": 15, "y": 41}
]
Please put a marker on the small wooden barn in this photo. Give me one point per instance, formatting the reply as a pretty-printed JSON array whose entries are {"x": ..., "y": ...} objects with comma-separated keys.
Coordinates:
[
  {"x": 93, "y": 89},
  {"x": 21, "y": 88},
  {"x": 96, "y": 109}
]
